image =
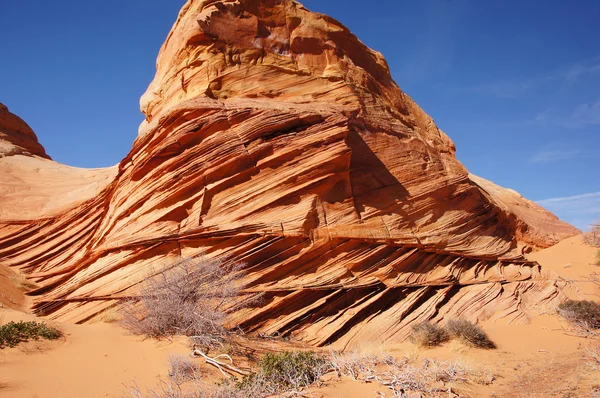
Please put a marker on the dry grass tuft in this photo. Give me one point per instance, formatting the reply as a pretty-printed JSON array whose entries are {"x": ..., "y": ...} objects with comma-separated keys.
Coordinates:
[
  {"x": 582, "y": 313},
  {"x": 469, "y": 333},
  {"x": 404, "y": 377},
  {"x": 592, "y": 237},
  {"x": 186, "y": 298},
  {"x": 290, "y": 373},
  {"x": 428, "y": 334},
  {"x": 20, "y": 280},
  {"x": 183, "y": 368}
]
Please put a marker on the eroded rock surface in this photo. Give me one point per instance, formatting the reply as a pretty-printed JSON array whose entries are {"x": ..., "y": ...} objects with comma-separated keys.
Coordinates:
[
  {"x": 274, "y": 137},
  {"x": 32, "y": 186},
  {"x": 16, "y": 137}
]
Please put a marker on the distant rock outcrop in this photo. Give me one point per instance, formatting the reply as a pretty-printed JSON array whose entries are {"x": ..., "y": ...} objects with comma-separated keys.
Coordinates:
[
  {"x": 274, "y": 137},
  {"x": 32, "y": 186},
  {"x": 16, "y": 137}
]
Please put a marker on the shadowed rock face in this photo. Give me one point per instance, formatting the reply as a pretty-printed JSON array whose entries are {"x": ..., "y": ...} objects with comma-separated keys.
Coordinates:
[{"x": 274, "y": 137}]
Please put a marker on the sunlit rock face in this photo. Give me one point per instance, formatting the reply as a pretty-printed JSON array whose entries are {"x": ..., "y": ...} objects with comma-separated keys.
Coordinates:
[
  {"x": 16, "y": 137},
  {"x": 275, "y": 138},
  {"x": 32, "y": 186}
]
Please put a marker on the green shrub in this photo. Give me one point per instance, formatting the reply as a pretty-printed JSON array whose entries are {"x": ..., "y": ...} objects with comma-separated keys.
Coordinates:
[
  {"x": 13, "y": 333},
  {"x": 469, "y": 333},
  {"x": 286, "y": 370},
  {"x": 428, "y": 334},
  {"x": 582, "y": 312}
]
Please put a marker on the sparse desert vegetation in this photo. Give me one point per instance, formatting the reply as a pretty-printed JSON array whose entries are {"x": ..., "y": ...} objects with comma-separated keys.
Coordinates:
[
  {"x": 469, "y": 333},
  {"x": 584, "y": 314},
  {"x": 186, "y": 298},
  {"x": 592, "y": 237},
  {"x": 295, "y": 373},
  {"x": 428, "y": 334},
  {"x": 14, "y": 333}
]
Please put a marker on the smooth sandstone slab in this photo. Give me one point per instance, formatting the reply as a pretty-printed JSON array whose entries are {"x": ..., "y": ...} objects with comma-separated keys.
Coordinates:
[{"x": 275, "y": 138}]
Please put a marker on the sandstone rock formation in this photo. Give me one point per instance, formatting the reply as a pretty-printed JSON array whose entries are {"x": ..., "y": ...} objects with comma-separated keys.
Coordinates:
[
  {"x": 32, "y": 186},
  {"x": 274, "y": 137},
  {"x": 16, "y": 137}
]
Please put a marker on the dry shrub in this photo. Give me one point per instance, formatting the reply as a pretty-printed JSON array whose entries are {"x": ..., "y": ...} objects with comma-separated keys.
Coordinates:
[
  {"x": 354, "y": 364},
  {"x": 20, "y": 280},
  {"x": 404, "y": 378},
  {"x": 183, "y": 368},
  {"x": 288, "y": 373},
  {"x": 592, "y": 237},
  {"x": 186, "y": 298},
  {"x": 469, "y": 333},
  {"x": 583, "y": 313},
  {"x": 284, "y": 371},
  {"x": 593, "y": 357},
  {"x": 428, "y": 334},
  {"x": 277, "y": 373}
]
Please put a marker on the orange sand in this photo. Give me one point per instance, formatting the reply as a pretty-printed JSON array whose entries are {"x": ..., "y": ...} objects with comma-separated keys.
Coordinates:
[{"x": 540, "y": 359}]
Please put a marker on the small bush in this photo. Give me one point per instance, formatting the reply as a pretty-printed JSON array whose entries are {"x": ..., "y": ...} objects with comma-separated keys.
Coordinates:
[
  {"x": 428, "y": 334},
  {"x": 597, "y": 261},
  {"x": 592, "y": 237},
  {"x": 284, "y": 371},
  {"x": 186, "y": 298},
  {"x": 582, "y": 312},
  {"x": 13, "y": 333},
  {"x": 183, "y": 369},
  {"x": 469, "y": 333}
]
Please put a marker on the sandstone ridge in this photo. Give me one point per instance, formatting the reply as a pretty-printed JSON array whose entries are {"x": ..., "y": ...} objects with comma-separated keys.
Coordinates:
[{"x": 274, "y": 137}]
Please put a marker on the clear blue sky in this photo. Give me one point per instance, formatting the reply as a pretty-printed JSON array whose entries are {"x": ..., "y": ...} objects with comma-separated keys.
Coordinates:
[{"x": 515, "y": 83}]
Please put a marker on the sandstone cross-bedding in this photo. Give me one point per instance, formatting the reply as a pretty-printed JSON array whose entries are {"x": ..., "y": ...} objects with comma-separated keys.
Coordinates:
[{"x": 275, "y": 138}]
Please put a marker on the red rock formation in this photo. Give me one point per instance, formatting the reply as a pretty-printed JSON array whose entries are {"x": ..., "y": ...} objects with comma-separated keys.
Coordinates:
[
  {"x": 32, "y": 186},
  {"x": 537, "y": 228},
  {"x": 16, "y": 137},
  {"x": 274, "y": 137}
]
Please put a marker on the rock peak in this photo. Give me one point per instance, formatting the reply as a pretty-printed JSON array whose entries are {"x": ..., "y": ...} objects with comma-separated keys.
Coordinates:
[
  {"x": 273, "y": 50},
  {"x": 16, "y": 137}
]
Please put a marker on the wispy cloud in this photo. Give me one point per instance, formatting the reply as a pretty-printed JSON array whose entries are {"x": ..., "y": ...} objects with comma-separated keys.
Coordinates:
[
  {"x": 553, "y": 155},
  {"x": 587, "y": 114},
  {"x": 511, "y": 89},
  {"x": 581, "y": 116},
  {"x": 504, "y": 89},
  {"x": 593, "y": 197},
  {"x": 578, "y": 71},
  {"x": 561, "y": 152},
  {"x": 580, "y": 210}
]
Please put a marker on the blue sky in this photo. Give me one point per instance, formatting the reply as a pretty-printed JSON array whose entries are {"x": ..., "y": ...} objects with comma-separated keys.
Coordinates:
[{"x": 515, "y": 84}]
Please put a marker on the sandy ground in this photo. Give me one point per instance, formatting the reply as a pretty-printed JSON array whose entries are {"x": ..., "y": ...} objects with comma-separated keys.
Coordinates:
[
  {"x": 98, "y": 360},
  {"x": 541, "y": 359},
  {"x": 11, "y": 293}
]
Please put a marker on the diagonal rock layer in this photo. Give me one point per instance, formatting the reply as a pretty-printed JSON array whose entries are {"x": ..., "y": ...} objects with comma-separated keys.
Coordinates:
[{"x": 275, "y": 138}]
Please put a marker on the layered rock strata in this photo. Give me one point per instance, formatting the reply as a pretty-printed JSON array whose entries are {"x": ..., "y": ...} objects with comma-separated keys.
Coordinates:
[{"x": 275, "y": 138}]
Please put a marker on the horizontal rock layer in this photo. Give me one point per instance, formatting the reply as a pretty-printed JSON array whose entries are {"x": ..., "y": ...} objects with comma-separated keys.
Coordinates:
[{"x": 275, "y": 138}]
